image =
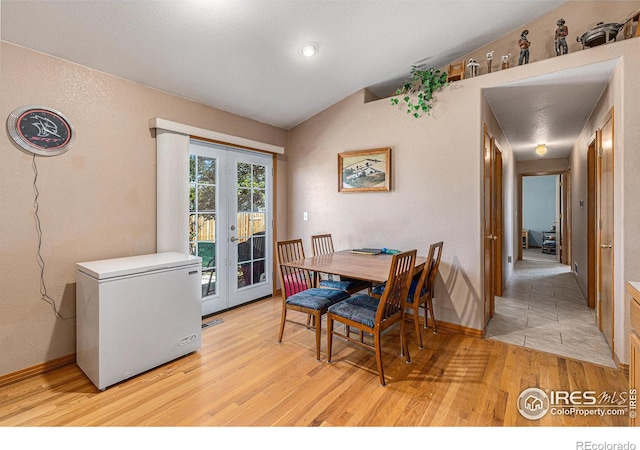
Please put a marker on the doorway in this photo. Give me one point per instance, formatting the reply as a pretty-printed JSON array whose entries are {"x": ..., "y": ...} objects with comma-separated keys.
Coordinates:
[
  {"x": 541, "y": 214},
  {"x": 548, "y": 198},
  {"x": 543, "y": 307},
  {"x": 230, "y": 217}
]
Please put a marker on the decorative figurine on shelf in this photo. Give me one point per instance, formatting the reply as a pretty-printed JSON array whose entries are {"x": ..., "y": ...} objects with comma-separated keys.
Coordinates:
[
  {"x": 473, "y": 67},
  {"x": 489, "y": 59},
  {"x": 561, "y": 33},
  {"x": 505, "y": 61},
  {"x": 524, "y": 44}
]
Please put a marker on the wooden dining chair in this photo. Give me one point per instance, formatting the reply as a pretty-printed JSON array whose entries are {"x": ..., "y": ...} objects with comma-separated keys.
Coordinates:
[
  {"x": 371, "y": 315},
  {"x": 322, "y": 244},
  {"x": 298, "y": 293},
  {"x": 423, "y": 285}
]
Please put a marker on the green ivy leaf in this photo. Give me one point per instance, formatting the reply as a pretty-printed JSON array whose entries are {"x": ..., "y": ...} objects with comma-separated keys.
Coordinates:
[{"x": 423, "y": 84}]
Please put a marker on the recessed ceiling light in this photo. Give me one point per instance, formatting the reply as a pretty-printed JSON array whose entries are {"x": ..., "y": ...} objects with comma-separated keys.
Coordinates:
[
  {"x": 309, "y": 49},
  {"x": 541, "y": 149}
]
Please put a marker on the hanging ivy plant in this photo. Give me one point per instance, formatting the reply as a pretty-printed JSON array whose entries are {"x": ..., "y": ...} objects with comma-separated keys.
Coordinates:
[{"x": 419, "y": 89}]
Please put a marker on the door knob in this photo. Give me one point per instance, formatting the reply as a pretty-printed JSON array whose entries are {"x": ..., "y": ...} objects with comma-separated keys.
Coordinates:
[
  {"x": 491, "y": 236},
  {"x": 233, "y": 239},
  {"x": 605, "y": 245}
]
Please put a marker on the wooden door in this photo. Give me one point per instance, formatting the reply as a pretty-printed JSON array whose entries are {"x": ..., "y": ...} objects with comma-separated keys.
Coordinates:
[
  {"x": 561, "y": 238},
  {"x": 488, "y": 225},
  {"x": 605, "y": 234},
  {"x": 498, "y": 224},
  {"x": 592, "y": 214}
]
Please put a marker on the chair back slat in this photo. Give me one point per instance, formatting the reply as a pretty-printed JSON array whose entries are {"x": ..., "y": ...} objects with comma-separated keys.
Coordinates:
[
  {"x": 292, "y": 279},
  {"x": 430, "y": 271},
  {"x": 397, "y": 287},
  {"x": 435, "y": 252},
  {"x": 322, "y": 244}
]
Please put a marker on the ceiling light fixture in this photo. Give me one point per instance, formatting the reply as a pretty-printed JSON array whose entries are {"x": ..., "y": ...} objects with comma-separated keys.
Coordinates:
[
  {"x": 309, "y": 49},
  {"x": 541, "y": 149}
]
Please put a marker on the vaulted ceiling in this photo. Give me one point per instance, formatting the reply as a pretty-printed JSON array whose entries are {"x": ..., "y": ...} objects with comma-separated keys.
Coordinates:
[{"x": 243, "y": 56}]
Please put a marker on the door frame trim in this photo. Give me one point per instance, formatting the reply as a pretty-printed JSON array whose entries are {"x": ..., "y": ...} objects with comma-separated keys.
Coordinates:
[
  {"x": 565, "y": 210},
  {"x": 609, "y": 116}
]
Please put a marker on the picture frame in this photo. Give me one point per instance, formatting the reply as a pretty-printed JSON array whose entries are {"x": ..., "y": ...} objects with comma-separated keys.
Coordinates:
[{"x": 365, "y": 170}]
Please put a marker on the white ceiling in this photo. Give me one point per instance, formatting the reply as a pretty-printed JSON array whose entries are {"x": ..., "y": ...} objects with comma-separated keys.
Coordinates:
[
  {"x": 550, "y": 109},
  {"x": 242, "y": 56}
]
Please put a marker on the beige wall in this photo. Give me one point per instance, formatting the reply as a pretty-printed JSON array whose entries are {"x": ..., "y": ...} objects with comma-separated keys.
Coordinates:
[
  {"x": 434, "y": 195},
  {"x": 437, "y": 178},
  {"x": 97, "y": 200}
]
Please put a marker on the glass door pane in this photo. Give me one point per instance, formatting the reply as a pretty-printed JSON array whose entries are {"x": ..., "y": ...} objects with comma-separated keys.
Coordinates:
[
  {"x": 229, "y": 223},
  {"x": 252, "y": 187},
  {"x": 251, "y": 220},
  {"x": 202, "y": 218}
]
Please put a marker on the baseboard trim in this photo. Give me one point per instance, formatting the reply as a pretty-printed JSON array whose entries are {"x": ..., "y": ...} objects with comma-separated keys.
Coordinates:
[
  {"x": 38, "y": 369},
  {"x": 459, "y": 329},
  {"x": 452, "y": 328},
  {"x": 622, "y": 366}
]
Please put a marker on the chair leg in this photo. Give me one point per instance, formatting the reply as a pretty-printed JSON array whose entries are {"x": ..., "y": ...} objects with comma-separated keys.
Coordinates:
[
  {"x": 416, "y": 324},
  {"x": 378, "y": 346},
  {"x": 209, "y": 284},
  {"x": 404, "y": 345},
  {"x": 282, "y": 321},
  {"x": 433, "y": 317},
  {"x": 329, "y": 336},
  {"x": 317, "y": 318}
]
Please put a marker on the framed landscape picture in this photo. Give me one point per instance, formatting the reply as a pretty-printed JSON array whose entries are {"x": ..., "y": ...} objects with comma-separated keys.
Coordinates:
[{"x": 364, "y": 170}]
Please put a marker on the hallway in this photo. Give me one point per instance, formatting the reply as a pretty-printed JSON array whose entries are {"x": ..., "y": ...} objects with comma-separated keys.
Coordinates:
[{"x": 542, "y": 308}]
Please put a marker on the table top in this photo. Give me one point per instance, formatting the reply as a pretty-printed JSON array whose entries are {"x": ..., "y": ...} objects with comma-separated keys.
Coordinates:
[{"x": 345, "y": 263}]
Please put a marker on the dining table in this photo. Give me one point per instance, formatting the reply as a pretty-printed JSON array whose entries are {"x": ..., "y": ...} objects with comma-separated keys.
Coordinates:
[{"x": 349, "y": 264}]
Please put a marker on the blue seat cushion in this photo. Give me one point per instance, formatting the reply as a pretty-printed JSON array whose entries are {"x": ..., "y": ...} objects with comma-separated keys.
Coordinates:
[
  {"x": 379, "y": 290},
  {"x": 317, "y": 298},
  {"x": 359, "y": 308},
  {"x": 345, "y": 284}
]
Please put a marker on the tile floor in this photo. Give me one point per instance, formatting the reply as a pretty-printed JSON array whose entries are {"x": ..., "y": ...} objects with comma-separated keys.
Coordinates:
[{"x": 543, "y": 308}]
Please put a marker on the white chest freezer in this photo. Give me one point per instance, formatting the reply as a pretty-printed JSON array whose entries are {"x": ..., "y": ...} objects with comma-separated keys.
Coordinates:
[{"x": 136, "y": 313}]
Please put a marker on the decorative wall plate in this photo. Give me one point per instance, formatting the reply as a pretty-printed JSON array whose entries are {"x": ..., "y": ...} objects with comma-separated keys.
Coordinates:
[{"x": 40, "y": 130}]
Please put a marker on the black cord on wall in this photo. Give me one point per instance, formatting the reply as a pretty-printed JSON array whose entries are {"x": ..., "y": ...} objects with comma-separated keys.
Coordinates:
[{"x": 43, "y": 287}]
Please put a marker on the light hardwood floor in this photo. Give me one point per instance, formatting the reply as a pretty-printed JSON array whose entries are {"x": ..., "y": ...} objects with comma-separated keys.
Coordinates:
[{"x": 243, "y": 377}]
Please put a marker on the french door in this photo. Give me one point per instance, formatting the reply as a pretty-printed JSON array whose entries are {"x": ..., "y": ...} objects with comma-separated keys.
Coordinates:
[{"x": 230, "y": 223}]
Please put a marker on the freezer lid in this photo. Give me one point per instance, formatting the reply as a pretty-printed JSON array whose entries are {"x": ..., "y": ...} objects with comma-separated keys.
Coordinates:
[{"x": 130, "y": 265}]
